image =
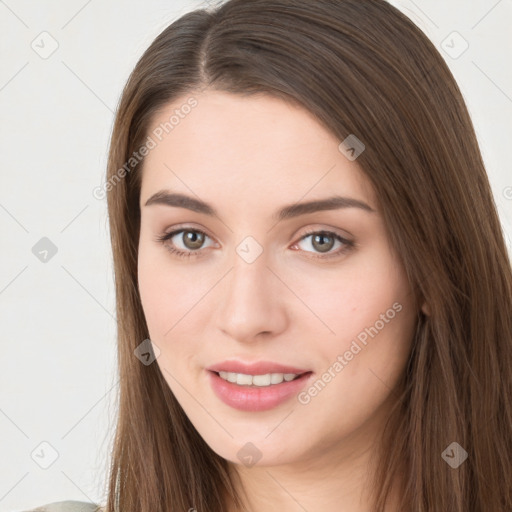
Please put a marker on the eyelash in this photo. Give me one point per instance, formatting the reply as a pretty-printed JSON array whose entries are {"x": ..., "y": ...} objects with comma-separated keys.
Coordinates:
[{"x": 187, "y": 254}]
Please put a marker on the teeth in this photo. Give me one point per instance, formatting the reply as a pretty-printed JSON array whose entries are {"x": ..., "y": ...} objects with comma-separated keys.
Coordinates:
[{"x": 243, "y": 379}]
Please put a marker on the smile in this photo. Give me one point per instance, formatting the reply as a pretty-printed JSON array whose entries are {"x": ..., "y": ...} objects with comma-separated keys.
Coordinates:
[{"x": 253, "y": 393}]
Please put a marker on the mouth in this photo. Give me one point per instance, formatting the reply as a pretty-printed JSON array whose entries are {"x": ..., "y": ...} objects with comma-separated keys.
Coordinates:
[{"x": 259, "y": 391}]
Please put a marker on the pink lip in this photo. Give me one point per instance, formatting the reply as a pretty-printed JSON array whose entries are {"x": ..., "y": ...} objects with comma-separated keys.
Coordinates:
[
  {"x": 259, "y": 368},
  {"x": 256, "y": 398}
]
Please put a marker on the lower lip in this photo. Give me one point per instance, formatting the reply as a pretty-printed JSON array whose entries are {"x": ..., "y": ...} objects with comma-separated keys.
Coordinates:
[{"x": 252, "y": 398}]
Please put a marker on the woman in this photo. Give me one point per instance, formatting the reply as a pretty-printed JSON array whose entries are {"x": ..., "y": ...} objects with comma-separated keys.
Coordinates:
[{"x": 313, "y": 290}]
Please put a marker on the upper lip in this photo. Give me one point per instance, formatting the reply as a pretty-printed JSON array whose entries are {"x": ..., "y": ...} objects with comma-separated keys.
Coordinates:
[{"x": 257, "y": 368}]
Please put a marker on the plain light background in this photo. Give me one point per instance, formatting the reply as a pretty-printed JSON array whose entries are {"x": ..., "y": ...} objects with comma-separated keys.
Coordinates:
[{"x": 58, "y": 380}]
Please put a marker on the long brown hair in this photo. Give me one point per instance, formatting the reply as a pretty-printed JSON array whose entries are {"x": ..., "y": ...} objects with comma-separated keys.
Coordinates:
[{"x": 361, "y": 67}]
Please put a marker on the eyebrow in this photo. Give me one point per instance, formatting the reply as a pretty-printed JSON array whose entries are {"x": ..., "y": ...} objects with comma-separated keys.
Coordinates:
[{"x": 164, "y": 197}]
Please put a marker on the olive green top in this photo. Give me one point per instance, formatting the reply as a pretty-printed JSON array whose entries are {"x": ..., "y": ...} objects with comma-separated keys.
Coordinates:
[{"x": 68, "y": 506}]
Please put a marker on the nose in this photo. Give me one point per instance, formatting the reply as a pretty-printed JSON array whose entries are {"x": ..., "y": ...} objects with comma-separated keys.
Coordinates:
[{"x": 251, "y": 301}]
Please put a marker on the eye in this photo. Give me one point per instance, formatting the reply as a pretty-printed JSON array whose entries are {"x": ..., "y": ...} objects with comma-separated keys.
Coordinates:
[
  {"x": 323, "y": 241},
  {"x": 193, "y": 240}
]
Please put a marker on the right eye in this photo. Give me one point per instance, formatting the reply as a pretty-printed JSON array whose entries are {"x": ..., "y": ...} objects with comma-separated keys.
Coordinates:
[{"x": 194, "y": 237}]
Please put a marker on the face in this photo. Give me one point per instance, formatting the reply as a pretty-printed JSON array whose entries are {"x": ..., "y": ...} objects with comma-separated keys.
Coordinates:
[{"x": 314, "y": 301}]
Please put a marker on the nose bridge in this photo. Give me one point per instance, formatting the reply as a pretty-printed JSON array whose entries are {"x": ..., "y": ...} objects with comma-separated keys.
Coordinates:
[
  {"x": 249, "y": 269},
  {"x": 249, "y": 304}
]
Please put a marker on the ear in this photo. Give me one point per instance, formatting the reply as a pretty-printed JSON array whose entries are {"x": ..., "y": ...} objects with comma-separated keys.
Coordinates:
[{"x": 425, "y": 309}]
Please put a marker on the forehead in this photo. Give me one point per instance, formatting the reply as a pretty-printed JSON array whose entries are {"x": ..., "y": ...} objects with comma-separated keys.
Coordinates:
[{"x": 257, "y": 149}]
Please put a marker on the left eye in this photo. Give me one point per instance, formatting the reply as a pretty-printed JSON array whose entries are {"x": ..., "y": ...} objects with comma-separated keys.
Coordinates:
[
  {"x": 194, "y": 239},
  {"x": 318, "y": 242}
]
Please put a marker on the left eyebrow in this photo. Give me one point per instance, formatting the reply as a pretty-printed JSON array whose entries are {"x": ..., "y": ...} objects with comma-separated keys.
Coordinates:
[{"x": 164, "y": 197}]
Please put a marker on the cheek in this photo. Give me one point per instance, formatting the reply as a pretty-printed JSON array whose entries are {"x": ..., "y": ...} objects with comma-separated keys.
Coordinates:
[
  {"x": 354, "y": 297},
  {"x": 363, "y": 361},
  {"x": 151, "y": 290},
  {"x": 162, "y": 288},
  {"x": 368, "y": 307},
  {"x": 375, "y": 330},
  {"x": 171, "y": 302},
  {"x": 158, "y": 288}
]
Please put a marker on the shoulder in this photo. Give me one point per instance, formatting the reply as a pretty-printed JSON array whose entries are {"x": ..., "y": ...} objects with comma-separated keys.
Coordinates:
[{"x": 68, "y": 506}]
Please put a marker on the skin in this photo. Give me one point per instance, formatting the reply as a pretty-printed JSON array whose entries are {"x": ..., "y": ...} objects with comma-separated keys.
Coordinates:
[{"x": 248, "y": 157}]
